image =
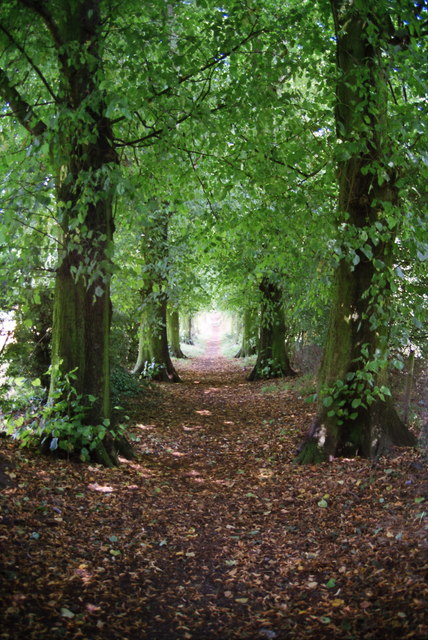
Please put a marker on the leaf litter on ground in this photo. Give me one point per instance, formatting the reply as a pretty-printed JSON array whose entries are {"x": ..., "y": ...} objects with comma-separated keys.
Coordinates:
[{"x": 213, "y": 532}]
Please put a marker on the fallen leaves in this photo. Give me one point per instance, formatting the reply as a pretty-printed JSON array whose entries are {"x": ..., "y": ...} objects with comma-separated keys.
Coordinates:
[{"x": 213, "y": 532}]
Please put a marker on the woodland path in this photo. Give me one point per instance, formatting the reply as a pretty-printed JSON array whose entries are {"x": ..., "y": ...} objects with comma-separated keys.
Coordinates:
[{"x": 213, "y": 533}]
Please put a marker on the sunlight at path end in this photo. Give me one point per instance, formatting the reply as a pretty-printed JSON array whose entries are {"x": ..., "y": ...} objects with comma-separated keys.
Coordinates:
[{"x": 213, "y": 325}]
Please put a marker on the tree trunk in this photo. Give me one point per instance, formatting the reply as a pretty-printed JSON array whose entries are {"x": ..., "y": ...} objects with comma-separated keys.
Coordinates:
[
  {"x": 409, "y": 385},
  {"x": 249, "y": 334},
  {"x": 356, "y": 415},
  {"x": 144, "y": 356},
  {"x": 272, "y": 359},
  {"x": 173, "y": 332},
  {"x": 153, "y": 354},
  {"x": 82, "y": 308},
  {"x": 164, "y": 369},
  {"x": 188, "y": 329},
  {"x": 84, "y": 163},
  {"x": 153, "y": 336}
]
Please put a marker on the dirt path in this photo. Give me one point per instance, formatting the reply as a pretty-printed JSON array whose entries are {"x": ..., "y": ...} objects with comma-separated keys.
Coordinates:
[{"x": 213, "y": 533}]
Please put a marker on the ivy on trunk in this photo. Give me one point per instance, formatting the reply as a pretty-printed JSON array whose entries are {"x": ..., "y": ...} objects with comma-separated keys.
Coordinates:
[
  {"x": 272, "y": 358},
  {"x": 356, "y": 415}
]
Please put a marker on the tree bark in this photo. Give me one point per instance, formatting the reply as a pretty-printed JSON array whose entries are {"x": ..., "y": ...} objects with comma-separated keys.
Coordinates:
[
  {"x": 272, "y": 359},
  {"x": 173, "y": 332},
  {"x": 164, "y": 369},
  {"x": 356, "y": 415},
  {"x": 154, "y": 359},
  {"x": 249, "y": 334},
  {"x": 82, "y": 308},
  {"x": 84, "y": 163}
]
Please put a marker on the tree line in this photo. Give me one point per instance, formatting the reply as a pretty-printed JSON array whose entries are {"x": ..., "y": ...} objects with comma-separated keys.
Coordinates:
[{"x": 272, "y": 152}]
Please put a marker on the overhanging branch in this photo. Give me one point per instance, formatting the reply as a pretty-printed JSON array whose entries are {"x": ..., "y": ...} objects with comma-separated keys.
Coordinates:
[
  {"x": 30, "y": 61},
  {"x": 21, "y": 109}
]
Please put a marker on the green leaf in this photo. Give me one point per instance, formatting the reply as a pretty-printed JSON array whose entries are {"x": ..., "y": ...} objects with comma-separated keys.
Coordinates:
[
  {"x": 323, "y": 503},
  {"x": 327, "y": 402},
  {"x": 330, "y": 584},
  {"x": 66, "y": 613}
]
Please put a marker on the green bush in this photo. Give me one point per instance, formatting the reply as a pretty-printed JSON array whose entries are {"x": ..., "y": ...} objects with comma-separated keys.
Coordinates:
[
  {"x": 124, "y": 385},
  {"x": 60, "y": 423}
]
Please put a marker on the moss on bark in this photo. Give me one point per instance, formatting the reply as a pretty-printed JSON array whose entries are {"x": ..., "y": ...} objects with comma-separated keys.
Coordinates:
[
  {"x": 356, "y": 416},
  {"x": 272, "y": 358},
  {"x": 173, "y": 333},
  {"x": 249, "y": 334}
]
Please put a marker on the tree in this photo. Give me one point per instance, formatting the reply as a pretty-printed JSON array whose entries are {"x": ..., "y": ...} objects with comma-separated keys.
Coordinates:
[
  {"x": 153, "y": 345},
  {"x": 77, "y": 139},
  {"x": 272, "y": 358},
  {"x": 173, "y": 331},
  {"x": 249, "y": 333},
  {"x": 79, "y": 111},
  {"x": 356, "y": 415}
]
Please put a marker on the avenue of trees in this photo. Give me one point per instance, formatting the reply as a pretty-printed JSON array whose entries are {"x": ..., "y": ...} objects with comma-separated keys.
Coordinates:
[{"x": 271, "y": 156}]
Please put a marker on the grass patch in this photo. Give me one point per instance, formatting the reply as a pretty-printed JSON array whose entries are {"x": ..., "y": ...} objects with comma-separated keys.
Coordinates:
[
  {"x": 192, "y": 350},
  {"x": 303, "y": 386}
]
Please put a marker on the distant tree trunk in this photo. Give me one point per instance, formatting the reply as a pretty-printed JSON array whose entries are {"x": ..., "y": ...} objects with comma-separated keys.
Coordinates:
[
  {"x": 153, "y": 343},
  {"x": 173, "y": 332},
  {"x": 144, "y": 355},
  {"x": 408, "y": 388},
  {"x": 272, "y": 359},
  {"x": 249, "y": 334},
  {"x": 356, "y": 415},
  {"x": 188, "y": 329},
  {"x": 153, "y": 354},
  {"x": 164, "y": 369}
]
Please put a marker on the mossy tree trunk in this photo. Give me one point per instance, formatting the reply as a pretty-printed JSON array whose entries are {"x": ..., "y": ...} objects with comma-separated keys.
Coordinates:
[
  {"x": 144, "y": 355},
  {"x": 356, "y": 415},
  {"x": 173, "y": 332},
  {"x": 187, "y": 328},
  {"x": 249, "y": 333},
  {"x": 272, "y": 359},
  {"x": 153, "y": 343},
  {"x": 164, "y": 369},
  {"x": 84, "y": 163},
  {"x": 84, "y": 158}
]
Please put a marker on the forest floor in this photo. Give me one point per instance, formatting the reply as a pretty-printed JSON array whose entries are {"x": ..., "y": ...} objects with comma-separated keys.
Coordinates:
[{"x": 213, "y": 533}]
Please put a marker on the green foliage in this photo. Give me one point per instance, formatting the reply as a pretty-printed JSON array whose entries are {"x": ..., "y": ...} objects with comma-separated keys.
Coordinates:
[
  {"x": 60, "y": 424},
  {"x": 224, "y": 120},
  {"x": 28, "y": 354},
  {"x": 124, "y": 385},
  {"x": 346, "y": 399},
  {"x": 151, "y": 370}
]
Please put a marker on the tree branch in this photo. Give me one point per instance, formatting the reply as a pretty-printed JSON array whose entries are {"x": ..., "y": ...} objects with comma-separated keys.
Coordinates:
[
  {"x": 39, "y": 7},
  {"x": 208, "y": 65},
  {"x": 22, "y": 110},
  {"x": 30, "y": 61}
]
